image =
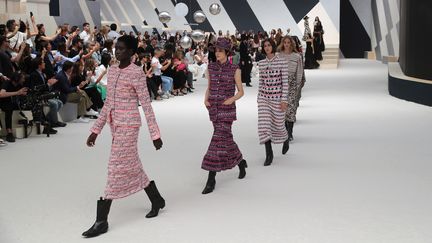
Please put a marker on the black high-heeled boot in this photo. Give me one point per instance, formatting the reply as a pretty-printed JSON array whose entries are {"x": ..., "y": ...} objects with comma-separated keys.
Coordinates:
[
  {"x": 156, "y": 200},
  {"x": 211, "y": 182},
  {"x": 242, "y": 167},
  {"x": 101, "y": 224},
  {"x": 269, "y": 154}
]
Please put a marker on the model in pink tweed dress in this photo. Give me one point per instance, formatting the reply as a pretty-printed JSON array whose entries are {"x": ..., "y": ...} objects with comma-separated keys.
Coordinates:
[{"x": 126, "y": 86}]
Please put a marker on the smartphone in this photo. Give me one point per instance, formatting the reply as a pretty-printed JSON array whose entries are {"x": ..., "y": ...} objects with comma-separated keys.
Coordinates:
[{"x": 31, "y": 14}]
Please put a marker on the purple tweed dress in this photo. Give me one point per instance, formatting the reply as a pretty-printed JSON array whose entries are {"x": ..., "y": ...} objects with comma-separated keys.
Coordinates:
[{"x": 223, "y": 153}]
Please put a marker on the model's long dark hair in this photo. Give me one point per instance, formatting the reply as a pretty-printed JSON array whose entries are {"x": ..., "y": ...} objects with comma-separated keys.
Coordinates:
[{"x": 272, "y": 43}]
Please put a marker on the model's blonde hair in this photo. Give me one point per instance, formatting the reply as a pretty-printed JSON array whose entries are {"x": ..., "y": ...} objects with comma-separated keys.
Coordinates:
[{"x": 281, "y": 47}]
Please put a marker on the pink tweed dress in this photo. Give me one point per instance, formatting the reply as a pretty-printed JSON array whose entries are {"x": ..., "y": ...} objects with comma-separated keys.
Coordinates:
[{"x": 125, "y": 88}]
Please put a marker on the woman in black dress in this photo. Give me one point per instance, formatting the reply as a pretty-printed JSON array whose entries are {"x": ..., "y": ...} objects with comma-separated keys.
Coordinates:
[
  {"x": 310, "y": 61},
  {"x": 318, "y": 41},
  {"x": 245, "y": 61}
]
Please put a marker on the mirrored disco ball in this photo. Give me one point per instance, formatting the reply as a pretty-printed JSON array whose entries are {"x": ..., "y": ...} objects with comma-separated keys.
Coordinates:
[
  {"x": 198, "y": 35},
  {"x": 164, "y": 17},
  {"x": 181, "y": 9},
  {"x": 199, "y": 16},
  {"x": 215, "y": 9},
  {"x": 186, "y": 42}
]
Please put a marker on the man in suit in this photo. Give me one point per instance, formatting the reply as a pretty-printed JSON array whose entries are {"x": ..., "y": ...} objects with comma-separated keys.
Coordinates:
[
  {"x": 74, "y": 94},
  {"x": 38, "y": 78}
]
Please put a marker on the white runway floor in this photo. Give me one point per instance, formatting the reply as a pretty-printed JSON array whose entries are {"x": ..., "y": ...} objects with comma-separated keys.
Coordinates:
[{"x": 359, "y": 170}]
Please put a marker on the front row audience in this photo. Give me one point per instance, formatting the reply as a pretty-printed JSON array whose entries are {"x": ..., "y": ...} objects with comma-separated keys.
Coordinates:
[{"x": 74, "y": 64}]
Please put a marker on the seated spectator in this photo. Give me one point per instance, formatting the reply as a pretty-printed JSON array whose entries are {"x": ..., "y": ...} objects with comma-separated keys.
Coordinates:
[
  {"x": 62, "y": 56},
  {"x": 156, "y": 80},
  {"x": 113, "y": 35},
  {"x": 6, "y": 65},
  {"x": 101, "y": 74},
  {"x": 73, "y": 94},
  {"x": 86, "y": 35},
  {"x": 41, "y": 36},
  {"x": 88, "y": 71},
  {"x": 145, "y": 61},
  {"x": 24, "y": 63},
  {"x": 48, "y": 57},
  {"x": 180, "y": 75},
  {"x": 109, "y": 48},
  {"x": 38, "y": 78},
  {"x": 8, "y": 103},
  {"x": 61, "y": 38},
  {"x": 77, "y": 46},
  {"x": 94, "y": 48}
]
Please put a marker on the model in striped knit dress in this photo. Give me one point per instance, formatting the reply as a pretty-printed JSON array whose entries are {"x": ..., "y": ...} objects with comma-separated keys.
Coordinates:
[
  {"x": 223, "y": 153},
  {"x": 272, "y": 100},
  {"x": 126, "y": 86},
  {"x": 295, "y": 80}
]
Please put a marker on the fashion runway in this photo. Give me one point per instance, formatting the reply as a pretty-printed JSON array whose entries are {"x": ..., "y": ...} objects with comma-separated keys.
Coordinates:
[{"x": 358, "y": 170}]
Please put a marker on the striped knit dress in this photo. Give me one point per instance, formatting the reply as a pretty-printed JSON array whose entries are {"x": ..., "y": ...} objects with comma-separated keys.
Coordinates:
[
  {"x": 295, "y": 76},
  {"x": 125, "y": 88},
  {"x": 273, "y": 89},
  {"x": 223, "y": 153}
]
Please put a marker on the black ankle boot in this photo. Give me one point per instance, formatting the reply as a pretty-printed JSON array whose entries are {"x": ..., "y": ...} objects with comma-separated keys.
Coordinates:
[
  {"x": 101, "y": 224},
  {"x": 290, "y": 126},
  {"x": 155, "y": 198},
  {"x": 285, "y": 146},
  {"x": 269, "y": 154},
  {"x": 242, "y": 167},
  {"x": 211, "y": 182}
]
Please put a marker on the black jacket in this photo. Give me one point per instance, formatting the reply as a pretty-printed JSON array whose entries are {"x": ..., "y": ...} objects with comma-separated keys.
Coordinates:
[{"x": 63, "y": 86}]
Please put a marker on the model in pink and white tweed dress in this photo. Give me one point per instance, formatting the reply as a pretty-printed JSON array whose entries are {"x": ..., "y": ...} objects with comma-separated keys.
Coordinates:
[{"x": 125, "y": 88}]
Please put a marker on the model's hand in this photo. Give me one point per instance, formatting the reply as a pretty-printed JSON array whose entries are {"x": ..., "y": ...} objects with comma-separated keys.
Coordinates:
[
  {"x": 229, "y": 101},
  {"x": 284, "y": 106},
  {"x": 207, "y": 103},
  {"x": 157, "y": 143},
  {"x": 91, "y": 139}
]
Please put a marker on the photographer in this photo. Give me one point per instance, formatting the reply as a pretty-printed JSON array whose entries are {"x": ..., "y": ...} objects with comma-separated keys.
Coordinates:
[
  {"x": 9, "y": 90},
  {"x": 38, "y": 78}
]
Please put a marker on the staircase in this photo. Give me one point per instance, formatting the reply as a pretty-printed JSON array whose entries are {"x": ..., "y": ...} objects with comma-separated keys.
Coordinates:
[{"x": 330, "y": 57}]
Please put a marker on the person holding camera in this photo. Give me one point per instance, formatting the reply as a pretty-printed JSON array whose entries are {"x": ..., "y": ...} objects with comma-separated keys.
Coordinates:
[
  {"x": 9, "y": 91},
  {"x": 38, "y": 78}
]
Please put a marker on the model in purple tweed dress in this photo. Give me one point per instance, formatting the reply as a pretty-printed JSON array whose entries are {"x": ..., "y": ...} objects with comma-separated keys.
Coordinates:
[{"x": 223, "y": 153}]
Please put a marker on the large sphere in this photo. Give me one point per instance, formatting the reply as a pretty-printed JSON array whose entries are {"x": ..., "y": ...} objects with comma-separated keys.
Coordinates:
[
  {"x": 198, "y": 35},
  {"x": 186, "y": 42},
  {"x": 215, "y": 9},
  {"x": 181, "y": 9},
  {"x": 164, "y": 17},
  {"x": 199, "y": 16}
]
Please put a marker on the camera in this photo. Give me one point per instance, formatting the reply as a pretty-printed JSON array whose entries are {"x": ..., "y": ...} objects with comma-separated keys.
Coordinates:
[{"x": 35, "y": 100}]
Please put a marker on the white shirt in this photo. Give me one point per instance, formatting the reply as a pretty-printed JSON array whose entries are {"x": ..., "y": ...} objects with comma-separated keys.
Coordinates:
[
  {"x": 85, "y": 36},
  {"x": 113, "y": 35},
  {"x": 99, "y": 70},
  {"x": 17, "y": 39},
  {"x": 156, "y": 70}
]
